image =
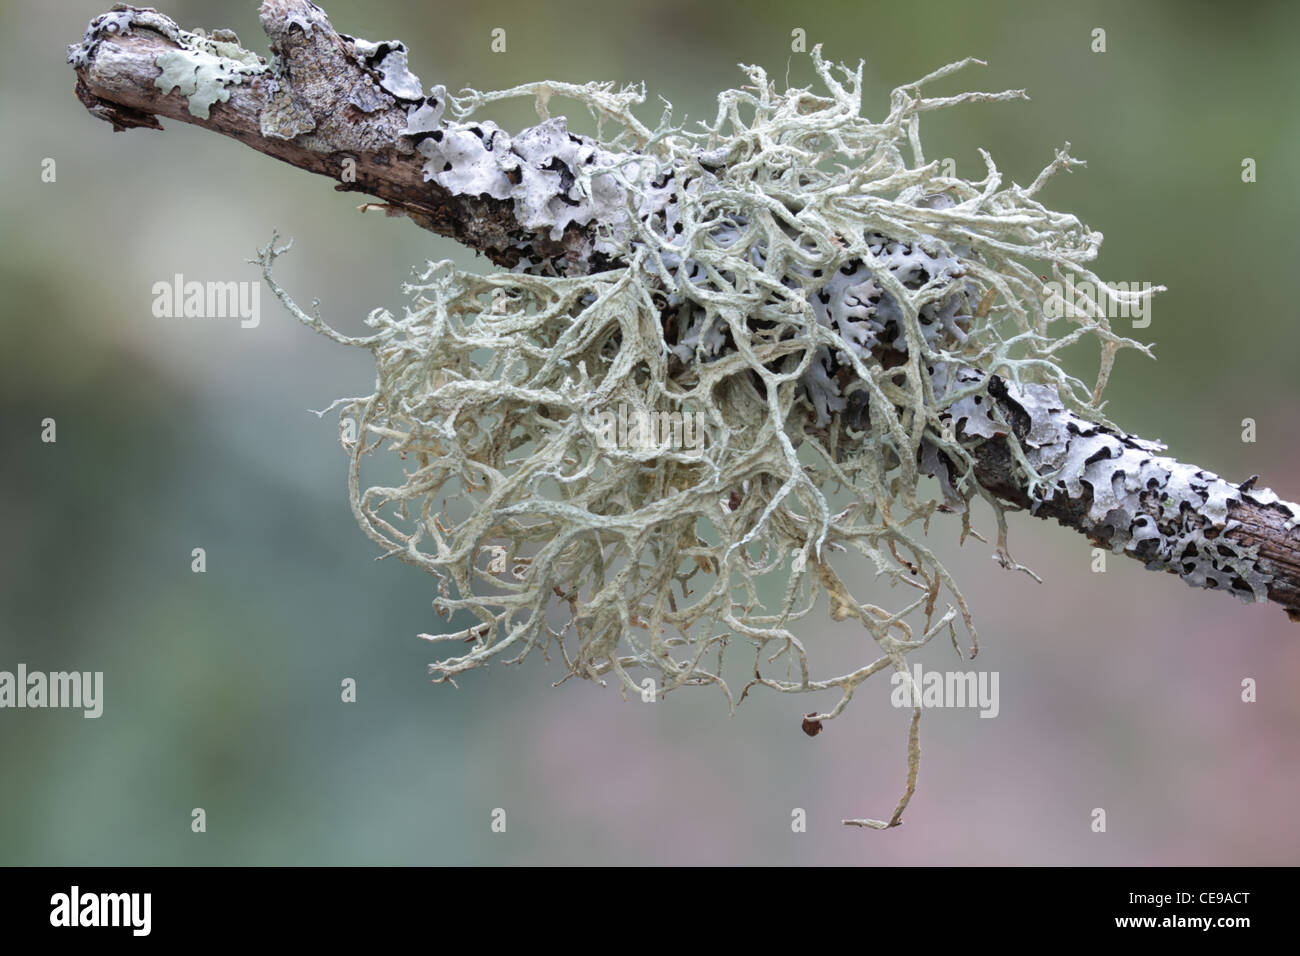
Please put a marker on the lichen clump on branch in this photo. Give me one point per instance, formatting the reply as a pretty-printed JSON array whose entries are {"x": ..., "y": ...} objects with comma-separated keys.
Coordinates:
[{"x": 794, "y": 277}]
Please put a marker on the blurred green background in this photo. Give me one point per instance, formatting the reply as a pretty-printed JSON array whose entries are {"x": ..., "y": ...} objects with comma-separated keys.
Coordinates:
[{"x": 1118, "y": 690}]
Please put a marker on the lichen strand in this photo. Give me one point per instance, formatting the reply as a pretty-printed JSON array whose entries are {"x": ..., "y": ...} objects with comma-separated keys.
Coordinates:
[
  {"x": 798, "y": 276},
  {"x": 559, "y": 182},
  {"x": 1172, "y": 516},
  {"x": 760, "y": 289}
]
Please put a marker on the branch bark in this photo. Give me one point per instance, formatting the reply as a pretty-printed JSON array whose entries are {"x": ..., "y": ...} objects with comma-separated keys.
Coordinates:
[{"x": 348, "y": 109}]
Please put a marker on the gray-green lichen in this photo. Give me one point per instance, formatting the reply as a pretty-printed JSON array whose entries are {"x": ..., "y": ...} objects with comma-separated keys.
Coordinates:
[
  {"x": 842, "y": 318},
  {"x": 1172, "y": 516},
  {"x": 202, "y": 69},
  {"x": 204, "y": 77},
  {"x": 795, "y": 273},
  {"x": 388, "y": 60},
  {"x": 119, "y": 21},
  {"x": 283, "y": 117},
  {"x": 836, "y": 310}
]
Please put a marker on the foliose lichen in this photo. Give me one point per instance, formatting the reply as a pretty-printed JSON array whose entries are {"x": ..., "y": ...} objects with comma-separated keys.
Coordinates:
[
  {"x": 388, "y": 60},
  {"x": 203, "y": 69},
  {"x": 1172, "y": 516},
  {"x": 118, "y": 21},
  {"x": 203, "y": 73}
]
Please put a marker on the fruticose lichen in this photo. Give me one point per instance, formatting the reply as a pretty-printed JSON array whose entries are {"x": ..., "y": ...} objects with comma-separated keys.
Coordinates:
[{"x": 837, "y": 311}]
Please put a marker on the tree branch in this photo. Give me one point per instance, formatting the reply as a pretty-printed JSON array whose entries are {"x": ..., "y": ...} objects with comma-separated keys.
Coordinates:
[
  {"x": 349, "y": 109},
  {"x": 319, "y": 104}
]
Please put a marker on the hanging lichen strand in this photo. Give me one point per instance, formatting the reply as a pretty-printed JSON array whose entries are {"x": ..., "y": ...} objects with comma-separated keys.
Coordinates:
[{"x": 808, "y": 311}]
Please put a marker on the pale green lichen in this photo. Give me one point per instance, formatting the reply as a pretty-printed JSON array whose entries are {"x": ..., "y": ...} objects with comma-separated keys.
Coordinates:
[
  {"x": 631, "y": 561},
  {"x": 205, "y": 68}
]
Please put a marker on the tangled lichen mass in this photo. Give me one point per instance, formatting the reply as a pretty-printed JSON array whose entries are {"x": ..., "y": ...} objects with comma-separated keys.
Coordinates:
[{"x": 794, "y": 277}]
